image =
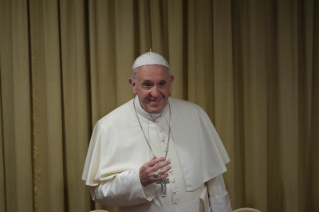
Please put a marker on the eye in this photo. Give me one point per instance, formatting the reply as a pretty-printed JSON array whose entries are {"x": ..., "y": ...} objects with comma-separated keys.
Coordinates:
[
  {"x": 146, "y": 86},
  {"x": 162, "y": 83}
]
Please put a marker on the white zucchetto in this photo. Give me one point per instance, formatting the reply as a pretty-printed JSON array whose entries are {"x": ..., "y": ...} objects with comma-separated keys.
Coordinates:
[{"x": 150, "y": 58}]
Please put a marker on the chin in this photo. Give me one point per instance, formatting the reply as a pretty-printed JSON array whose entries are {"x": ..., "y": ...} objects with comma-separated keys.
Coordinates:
[{"x": 156, "y": 110}]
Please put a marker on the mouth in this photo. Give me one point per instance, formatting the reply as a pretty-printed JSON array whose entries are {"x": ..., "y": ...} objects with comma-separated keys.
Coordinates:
[{"x": 157, "y": 100}]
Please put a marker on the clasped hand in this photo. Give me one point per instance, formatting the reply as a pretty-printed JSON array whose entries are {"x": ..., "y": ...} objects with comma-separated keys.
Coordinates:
[{"x": 148, "y": 170}]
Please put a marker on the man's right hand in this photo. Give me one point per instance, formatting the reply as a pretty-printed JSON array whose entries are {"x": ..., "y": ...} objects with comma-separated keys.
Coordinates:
[{"x": 148, "y": 170}]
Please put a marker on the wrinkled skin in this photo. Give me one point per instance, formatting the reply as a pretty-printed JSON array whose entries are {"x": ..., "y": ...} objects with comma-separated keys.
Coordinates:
[
  {"x": 152, "y": 85},
  {"x": 147, "y": 171}
]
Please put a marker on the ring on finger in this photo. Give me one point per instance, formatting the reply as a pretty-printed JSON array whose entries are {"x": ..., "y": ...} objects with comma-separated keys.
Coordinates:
[{"x": 156, "y": 175}]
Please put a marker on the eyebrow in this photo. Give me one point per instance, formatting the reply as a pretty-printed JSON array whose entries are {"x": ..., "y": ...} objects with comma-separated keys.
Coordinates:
[
  {"x": 149, "y": 81},
  {"x": 146, "y": 81}
]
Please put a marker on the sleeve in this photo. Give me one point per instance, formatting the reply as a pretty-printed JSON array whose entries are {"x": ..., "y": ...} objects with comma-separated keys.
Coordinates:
[
  {"x": 219, "y": 198},
  {"x": 123, "y": 190}
]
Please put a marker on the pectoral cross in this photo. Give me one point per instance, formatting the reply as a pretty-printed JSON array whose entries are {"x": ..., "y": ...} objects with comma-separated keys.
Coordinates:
[{"x": 163, "y": 183}]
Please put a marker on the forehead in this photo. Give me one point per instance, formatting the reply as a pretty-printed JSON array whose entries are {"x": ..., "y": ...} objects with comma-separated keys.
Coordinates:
[{"x": 152, "y": 72}]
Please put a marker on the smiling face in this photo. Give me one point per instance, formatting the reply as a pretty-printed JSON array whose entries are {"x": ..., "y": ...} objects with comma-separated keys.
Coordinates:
[{"x": 152, "y": 85}]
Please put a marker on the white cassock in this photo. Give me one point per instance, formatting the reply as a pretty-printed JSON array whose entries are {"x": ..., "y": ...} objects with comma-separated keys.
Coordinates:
[{"x": 118, "y": 149}]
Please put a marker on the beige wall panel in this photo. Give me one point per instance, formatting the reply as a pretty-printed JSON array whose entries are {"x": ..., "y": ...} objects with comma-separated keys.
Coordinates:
[
  {"x": 223, "y": 87},
  {"x": 4, "y": 38},
  {"x": 177, "y": 51},
  {"x": 313, "y": 203},
  {"x": 200, "y": 50},
  {"x": 274, "y": 183},
  {"x": 191, "y": 50},
  {"x": 204, "y": 63},
  {"x": 47, "y": 111},
  {"x": 76, "y": 101},
  {"x": 124, "y": 41},
  {"x": 255, "y": 105},
  {"x": 2, "y": 160},
  {"x": 159, "y": 27},
  {"x": 16, "y": 112},
  {"x": 305, "y": 60},
  {"x": 102, "y": 58},
  {"x": 237, "y": 183},
  {"x": 143, "y": 27},
  {"x": 288, "y": 103}
]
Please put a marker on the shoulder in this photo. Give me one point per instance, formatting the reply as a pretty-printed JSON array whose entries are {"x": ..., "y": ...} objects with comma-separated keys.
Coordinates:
[
  {"x": 119, "y": 115},
  {"x": 183, "y": 106}
]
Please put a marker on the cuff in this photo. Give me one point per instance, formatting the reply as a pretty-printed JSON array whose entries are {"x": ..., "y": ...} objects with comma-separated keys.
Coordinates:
[
  {"x": 220, "y": 204},
  {"x": 148, "y": 192}
]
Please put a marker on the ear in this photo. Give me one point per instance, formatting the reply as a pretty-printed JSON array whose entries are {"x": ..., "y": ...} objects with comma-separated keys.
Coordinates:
[{"x": 133, "y": 85}]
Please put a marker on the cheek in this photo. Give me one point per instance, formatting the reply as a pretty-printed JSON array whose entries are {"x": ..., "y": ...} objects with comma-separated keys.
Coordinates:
[
  {"x": 134, "y": 90},
  {"x": 143, "y": 94},
  {"x": 170, "y": 87}
]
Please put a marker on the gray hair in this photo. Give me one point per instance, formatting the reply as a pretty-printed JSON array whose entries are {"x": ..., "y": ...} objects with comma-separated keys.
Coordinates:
[{"x": 134, "y": 73}]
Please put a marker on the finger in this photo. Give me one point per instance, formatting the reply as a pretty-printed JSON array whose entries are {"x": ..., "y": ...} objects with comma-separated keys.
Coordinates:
[
  {"x": 164, "y": 170},
  {"x": 161, "y": 171},
  {"x": 155, "y": 161},
  {"x": 161, "y": 177},
  {"x": 161, "y": 165}
]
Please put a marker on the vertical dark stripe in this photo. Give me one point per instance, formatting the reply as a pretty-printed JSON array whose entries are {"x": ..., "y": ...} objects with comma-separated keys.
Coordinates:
[
  {"x": 88, "y": 77},
  {"x": 65, "y": 168},
  {"x": 239, "y": 113},
  {"x": 31, "y": 104},
  {"x": 303, "y": 142},
  {"x": 314, "y": 145},
  {"x": 185, "y": 50},
  {"x": 136, "y": 29},
  {"x": 274, "y": 184}
]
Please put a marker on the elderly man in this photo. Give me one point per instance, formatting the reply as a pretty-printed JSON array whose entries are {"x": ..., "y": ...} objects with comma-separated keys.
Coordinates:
[{"x": 156, "y": 153}]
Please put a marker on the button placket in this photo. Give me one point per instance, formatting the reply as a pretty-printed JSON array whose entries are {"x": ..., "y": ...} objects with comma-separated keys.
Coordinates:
[{"x": 173, "y": 187}]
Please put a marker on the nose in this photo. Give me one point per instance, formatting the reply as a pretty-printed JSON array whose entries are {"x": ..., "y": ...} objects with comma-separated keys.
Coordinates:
[{"x": 155, "y": 92}]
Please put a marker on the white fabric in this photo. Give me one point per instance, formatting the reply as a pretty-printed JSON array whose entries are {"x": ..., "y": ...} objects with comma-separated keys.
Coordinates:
[
  {"x": 220, "y": 204},
  {"x": 116, "y": 192},
  {"x": 109, "y": 193},
  {"x": 157, "y": 133},
  {"x": 216, "y": 186},
  {"x": 219, "y": 199},
  {"x": 114, "y": 183},
  {"x": 150, "y": 58}
]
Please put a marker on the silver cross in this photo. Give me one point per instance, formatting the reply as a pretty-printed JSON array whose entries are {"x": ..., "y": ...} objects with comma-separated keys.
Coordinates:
[{"x": 163, "y": 183}]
